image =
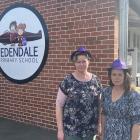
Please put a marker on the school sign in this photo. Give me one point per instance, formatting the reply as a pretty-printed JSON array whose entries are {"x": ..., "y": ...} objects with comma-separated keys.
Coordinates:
[{"x": 23, "y": 43}]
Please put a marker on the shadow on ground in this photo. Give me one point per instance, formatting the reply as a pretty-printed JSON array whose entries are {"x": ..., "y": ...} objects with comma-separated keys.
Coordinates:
[{"x": 11, "y": 130}]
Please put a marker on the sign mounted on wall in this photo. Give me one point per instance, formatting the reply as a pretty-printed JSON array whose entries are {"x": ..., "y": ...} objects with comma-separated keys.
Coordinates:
[{"x": 24, "y": 43}]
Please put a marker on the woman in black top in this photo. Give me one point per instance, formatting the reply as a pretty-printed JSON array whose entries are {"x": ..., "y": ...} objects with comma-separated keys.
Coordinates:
[{"x": 77, "y": 101}]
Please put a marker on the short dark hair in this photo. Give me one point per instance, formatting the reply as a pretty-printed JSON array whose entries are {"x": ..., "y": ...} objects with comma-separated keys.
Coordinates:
[
  {"x": 13, "y": 23},
  {"x": 79, "y": 54}
]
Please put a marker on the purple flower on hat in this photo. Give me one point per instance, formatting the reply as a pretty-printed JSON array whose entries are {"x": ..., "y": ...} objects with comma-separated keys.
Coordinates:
[
  {"x": 118, "y": 64},
  {"x": 81, "y": 49}
]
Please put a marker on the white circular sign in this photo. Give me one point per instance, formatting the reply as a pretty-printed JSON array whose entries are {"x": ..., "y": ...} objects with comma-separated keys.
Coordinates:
[{"x": 23, "y": 43}]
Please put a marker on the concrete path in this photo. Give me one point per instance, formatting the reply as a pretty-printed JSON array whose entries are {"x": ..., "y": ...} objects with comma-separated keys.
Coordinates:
[{"x": 11, "y": 130}]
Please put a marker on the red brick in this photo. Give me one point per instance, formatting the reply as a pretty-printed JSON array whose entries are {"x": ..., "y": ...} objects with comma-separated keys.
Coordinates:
[{"x": 70, "y": 24}]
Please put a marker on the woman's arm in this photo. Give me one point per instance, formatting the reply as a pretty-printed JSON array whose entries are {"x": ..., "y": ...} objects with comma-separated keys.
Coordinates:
[
  {"x": 102, "y": 125},
  {"x": 136, "y": 132},
  {"x": 59, "y": 120},
  {"x": 60, "y": 101}
]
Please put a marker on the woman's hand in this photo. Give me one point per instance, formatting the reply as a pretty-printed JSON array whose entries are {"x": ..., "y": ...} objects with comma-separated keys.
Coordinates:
[
  {"x": 135, "y": 132},
  {"x": 60, "y": 135}
]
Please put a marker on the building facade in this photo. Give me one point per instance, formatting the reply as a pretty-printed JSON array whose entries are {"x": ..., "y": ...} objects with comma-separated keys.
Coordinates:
[{"x": 95, "y": 24}]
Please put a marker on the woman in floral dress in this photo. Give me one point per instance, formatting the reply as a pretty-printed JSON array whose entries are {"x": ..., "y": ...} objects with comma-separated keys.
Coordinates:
[
  {"x": 77, "y": 101},
  {"x": 121, "y": 105}
]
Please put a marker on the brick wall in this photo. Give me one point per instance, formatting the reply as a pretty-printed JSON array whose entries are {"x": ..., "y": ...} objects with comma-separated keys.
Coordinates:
[{"x": 71, "y": 23}]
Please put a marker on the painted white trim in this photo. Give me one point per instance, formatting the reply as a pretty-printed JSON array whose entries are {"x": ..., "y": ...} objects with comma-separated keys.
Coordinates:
[{"x": 124, "y": 10}]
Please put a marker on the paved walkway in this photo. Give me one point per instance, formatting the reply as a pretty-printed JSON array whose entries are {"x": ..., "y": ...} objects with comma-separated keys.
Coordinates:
[{"x": 11, "y": 130}]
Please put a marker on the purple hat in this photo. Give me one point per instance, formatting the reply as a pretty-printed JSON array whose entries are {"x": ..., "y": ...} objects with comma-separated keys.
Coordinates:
[
  {"x": 118, "y": 65},
  {"x": 80, "y": 51}
]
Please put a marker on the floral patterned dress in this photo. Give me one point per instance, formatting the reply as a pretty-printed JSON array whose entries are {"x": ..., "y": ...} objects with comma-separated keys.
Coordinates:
[
  {"x": 80, "y": 116},
  {"x": 120, "y": 115}
]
